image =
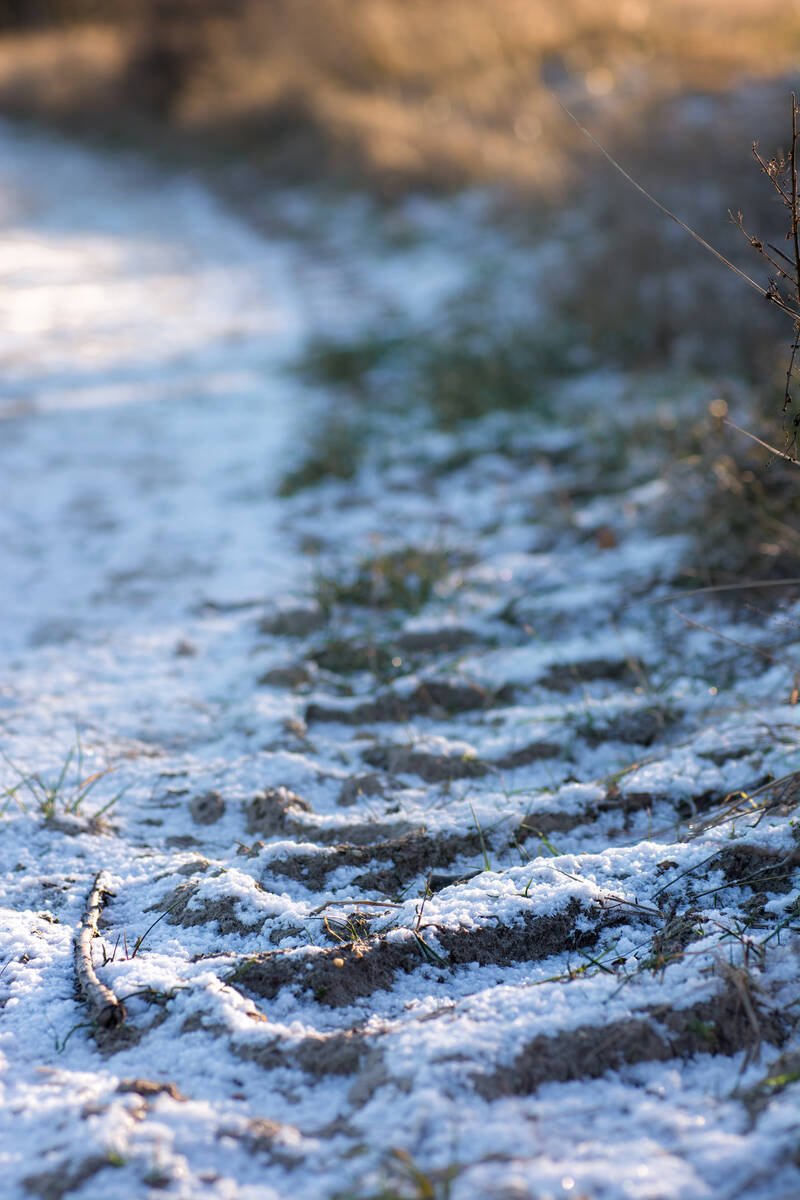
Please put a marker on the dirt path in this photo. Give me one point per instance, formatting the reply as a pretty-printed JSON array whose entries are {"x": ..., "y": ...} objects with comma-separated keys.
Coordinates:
[{"x": 444, "y": 860}]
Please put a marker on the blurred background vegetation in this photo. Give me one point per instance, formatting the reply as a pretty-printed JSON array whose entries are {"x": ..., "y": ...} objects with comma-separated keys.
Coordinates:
[
  {"x": 390, "y": 97},
  {"x": 401, "y": 91}
]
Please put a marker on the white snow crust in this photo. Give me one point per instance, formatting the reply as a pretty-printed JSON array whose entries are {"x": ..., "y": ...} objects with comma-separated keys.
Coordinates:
[{"x": 147, "y": 416}]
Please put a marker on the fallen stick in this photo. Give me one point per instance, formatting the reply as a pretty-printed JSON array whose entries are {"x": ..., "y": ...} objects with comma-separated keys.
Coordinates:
[{"x": 106, "y": 1011}]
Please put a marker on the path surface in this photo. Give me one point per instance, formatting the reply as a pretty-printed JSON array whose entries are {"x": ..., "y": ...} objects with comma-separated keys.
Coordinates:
[{"x": 429, "y": 886}]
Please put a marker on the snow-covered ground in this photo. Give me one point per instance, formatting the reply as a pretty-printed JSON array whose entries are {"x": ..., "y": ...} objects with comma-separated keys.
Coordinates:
[{"x": 443, "y": 903}]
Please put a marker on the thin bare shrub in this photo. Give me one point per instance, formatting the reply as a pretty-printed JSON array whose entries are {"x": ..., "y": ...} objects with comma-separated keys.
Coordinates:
[{"x": 784, "y": 280}]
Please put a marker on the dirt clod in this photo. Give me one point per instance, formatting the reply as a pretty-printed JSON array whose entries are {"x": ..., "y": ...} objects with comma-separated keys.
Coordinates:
[
  {"x": 150, "y": 1087},
  {"x": 290, "y": 675},
  {"x": 208, "y": 808},
  {"x": 178, "y": 906},
  {"x": 408, "y": 857},
  {"x": 721, "y": 1025},
  {"x": 433, "y": 768},
  {"x": 433, "y": 698},
  {"x": 296, "y": 622},
  {"x": 267, "y": 813},
  {"x": 535, "y": 752},
  {"x": 566, "y": 677},
  {"x": 350, "y": 971},
  {"x": 55, "y": 1184},
  {"x": 756, "y": 867},
  {"x": 367, "y": 784}
]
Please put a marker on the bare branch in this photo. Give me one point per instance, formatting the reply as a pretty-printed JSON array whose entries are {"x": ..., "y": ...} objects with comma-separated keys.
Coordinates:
[
  {"x": 795, "y": 222},
  {"x": 780, "y": 253},
  {"x": 772, "y": 175},
  {"x": 106, "y": 1011},
  {"x": 766, "y": 445},
  {"x": 787, "y": 396},
  {"x": 774, "y": 298}
]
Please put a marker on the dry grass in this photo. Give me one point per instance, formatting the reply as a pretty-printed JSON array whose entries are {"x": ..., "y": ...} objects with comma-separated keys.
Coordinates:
[
  {"x": 54, "y": 74},
  {"x": 747, "y": 507},
  {"x": 402, "y": 579},
  {"x": 397, "y": 90}
]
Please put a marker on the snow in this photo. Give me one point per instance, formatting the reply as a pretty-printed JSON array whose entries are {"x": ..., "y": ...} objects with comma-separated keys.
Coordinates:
[{"x": 147, "y": 417}]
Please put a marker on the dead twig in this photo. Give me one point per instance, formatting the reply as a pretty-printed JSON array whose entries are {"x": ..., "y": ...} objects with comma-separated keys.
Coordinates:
[
  {"x": 106, "y": 1011},
  {"x": 757, "y": 440},
  {"x": 741, "y": 586},
  {"x": 741, "y": 980},
  {"x": 724, "y": 637},
  {"x": 782, "y": 793}
]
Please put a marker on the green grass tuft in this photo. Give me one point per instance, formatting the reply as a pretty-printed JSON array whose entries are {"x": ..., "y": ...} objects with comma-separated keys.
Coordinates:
[
  {"x": 57, "y": 796},
  {"x": 398, "y": 579},
  {"x": 335, "y": 451}
]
